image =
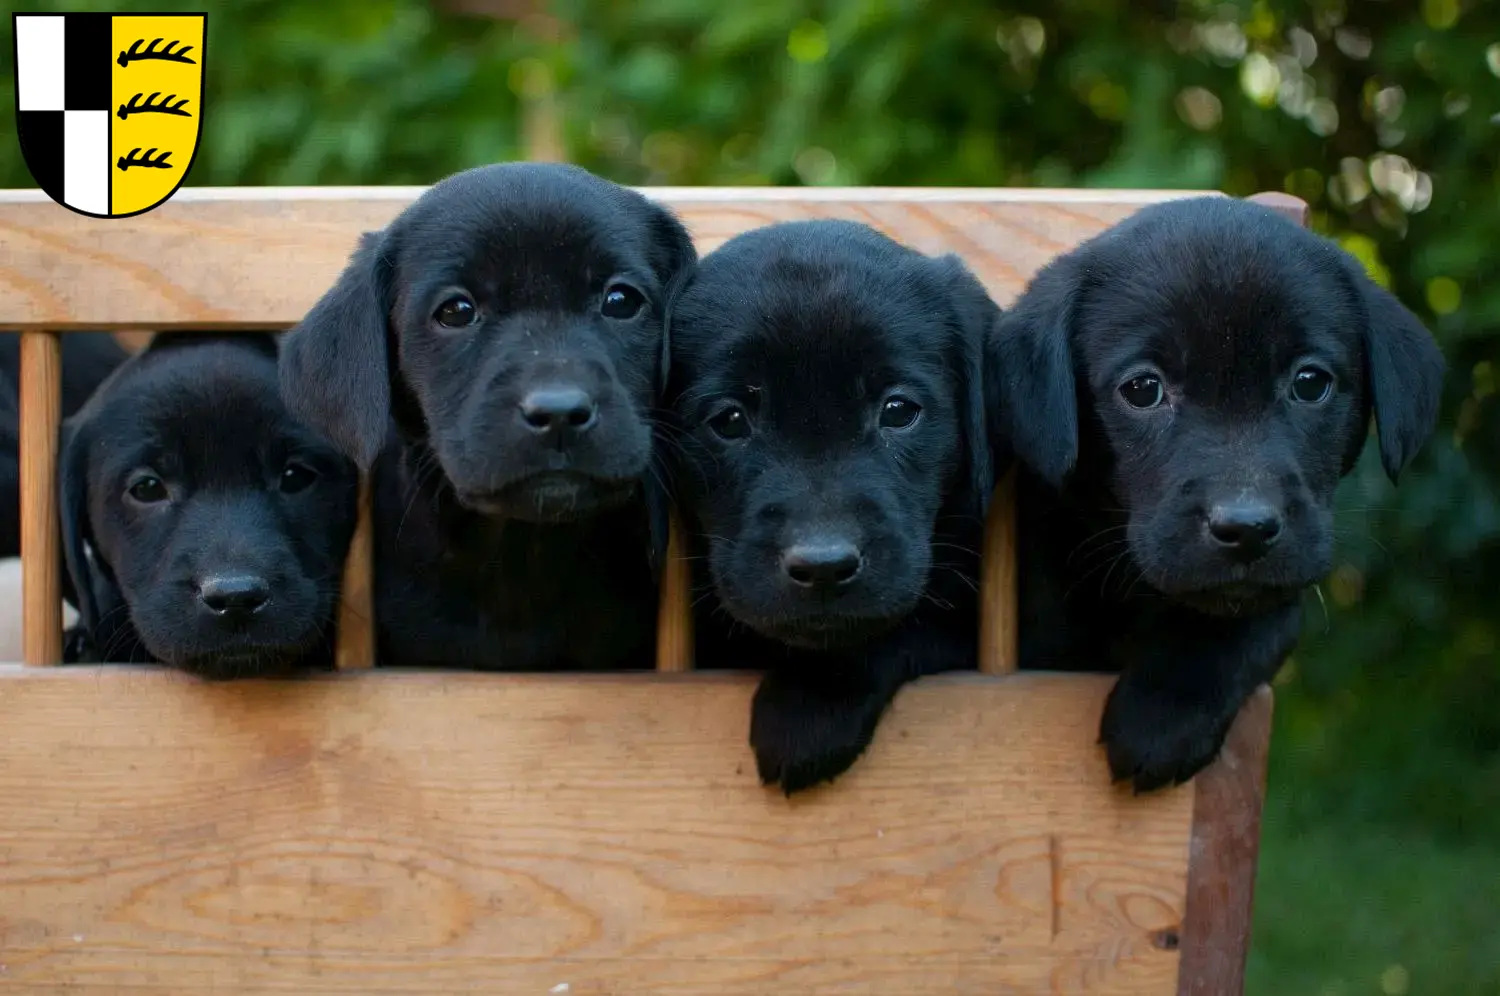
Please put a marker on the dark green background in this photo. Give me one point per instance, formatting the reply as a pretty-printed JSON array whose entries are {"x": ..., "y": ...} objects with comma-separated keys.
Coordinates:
[{"x": 1380, "y": 871}]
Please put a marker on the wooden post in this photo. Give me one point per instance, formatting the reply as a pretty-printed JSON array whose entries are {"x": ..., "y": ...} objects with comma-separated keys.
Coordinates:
[
  {"x": 1294, "y": 208},
  {"x": 41, "y": 547},
  {"x": 1228, "y": 797}
]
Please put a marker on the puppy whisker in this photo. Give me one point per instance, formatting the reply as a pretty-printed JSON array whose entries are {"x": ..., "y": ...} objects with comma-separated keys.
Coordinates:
[
  {"x": 427, "y": 467},
  {"x": 967, "y": 579},
  {"x": 1327, "y": 619}
]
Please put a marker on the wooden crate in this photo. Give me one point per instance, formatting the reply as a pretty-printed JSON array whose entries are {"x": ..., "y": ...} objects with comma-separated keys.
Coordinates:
[{"x": 406, "y": 832}]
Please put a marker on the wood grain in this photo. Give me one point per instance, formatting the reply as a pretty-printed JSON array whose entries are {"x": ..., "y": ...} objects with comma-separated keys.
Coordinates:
[
  {"x": 404, "y": 832},
  {"x": 41, "y": 547},
  {"x": 217, "y": 257},
  {"x": 356, "y": 626}
]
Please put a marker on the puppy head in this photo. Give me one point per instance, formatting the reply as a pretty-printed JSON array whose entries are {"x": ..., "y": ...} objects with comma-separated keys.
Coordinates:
[
  {"x": 511, "y": 319},
  {"x": 1211, "y": 368},
  {"x": 827, "y": 383},
  {"x": 198, "y": 516}
]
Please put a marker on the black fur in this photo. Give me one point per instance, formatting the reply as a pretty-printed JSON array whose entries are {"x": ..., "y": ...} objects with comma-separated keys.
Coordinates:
[
  {"x": 499, "y": 545},
  {"x": 87, "y": 358},
  {"x": 229, "y": 565},
  {"x": 1173, "y": 542},
  {"x": 808, "y": 329}
]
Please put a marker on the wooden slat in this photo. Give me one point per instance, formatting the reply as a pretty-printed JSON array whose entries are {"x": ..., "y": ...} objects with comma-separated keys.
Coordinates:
[
  {"x": 393, "y": 832},
  {"x": 356, "y": 626},
  {"x": 216, "y": 257},
  {"x": 41, "y": 545},
  {"x": 674, "y": 614},
  {"x": 999, "y": 619}
]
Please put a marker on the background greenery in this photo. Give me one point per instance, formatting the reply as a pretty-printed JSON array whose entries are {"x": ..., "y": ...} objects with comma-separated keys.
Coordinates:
[{"x": 1380, "y": 871}]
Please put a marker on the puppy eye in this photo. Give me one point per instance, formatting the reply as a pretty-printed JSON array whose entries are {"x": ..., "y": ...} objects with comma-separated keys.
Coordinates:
[
  {"x": 455, "y": 313},
  {"x": 731, "y": 423},
  {"x": 147, "y": 490},
  {"x": 1312, "y": 385},
  {"x": 297, "y": 477},
  {"x": 621, "y": 301},
  {"x": 1143, "y": 391},
  {"x": 899, "y": 412}
]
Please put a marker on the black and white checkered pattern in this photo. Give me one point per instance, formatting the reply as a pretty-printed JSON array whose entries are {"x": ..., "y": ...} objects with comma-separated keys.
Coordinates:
[{"x": 63, "y": 104}]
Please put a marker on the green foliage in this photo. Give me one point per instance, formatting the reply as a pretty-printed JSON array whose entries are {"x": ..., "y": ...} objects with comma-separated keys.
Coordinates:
[
  {"x": 338, "y": 91},
  {"x": 1385, "y": 116}
]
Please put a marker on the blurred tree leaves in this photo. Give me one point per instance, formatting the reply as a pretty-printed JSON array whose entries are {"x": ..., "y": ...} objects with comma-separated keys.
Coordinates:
[{"x": 341, "y": 91}]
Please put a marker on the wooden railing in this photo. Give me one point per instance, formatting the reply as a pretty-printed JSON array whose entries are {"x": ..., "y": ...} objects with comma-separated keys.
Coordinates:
[{"x": 451, "y": 831}]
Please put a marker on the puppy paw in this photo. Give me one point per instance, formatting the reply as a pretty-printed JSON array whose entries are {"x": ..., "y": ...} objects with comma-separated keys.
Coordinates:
[
  {"x": 1154, "y": 739},
  {"x": 803, "y": 737}
]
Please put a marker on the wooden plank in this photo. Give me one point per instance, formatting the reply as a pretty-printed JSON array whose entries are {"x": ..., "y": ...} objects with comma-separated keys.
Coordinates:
[
  {"x": 41, "y": 544},
  {"x": 220, "y": 257},
  {"x": 395, "y": 832}
]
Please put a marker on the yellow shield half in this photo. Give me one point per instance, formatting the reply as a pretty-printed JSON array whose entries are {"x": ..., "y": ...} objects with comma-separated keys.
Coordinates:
[
  {"x": 109, "y": 107},
  {"x": 157, "y": 86}
]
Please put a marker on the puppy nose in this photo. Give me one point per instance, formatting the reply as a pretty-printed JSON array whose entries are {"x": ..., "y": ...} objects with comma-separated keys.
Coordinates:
[
  {"x": 559, "y": 408},
  {"x": 829, "y": 564},
  {"x": 234, "y": 594},
  {"x": 1246, "y": 530}
]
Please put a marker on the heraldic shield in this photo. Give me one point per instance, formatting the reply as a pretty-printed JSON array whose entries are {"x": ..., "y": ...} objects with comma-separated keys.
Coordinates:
[{"x": 109, "y": 106}]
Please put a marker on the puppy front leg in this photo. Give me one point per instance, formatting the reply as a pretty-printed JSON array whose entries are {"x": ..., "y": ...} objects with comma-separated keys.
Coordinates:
[
  {"x": 808, "y": 725},
  {"x": 1181, "y": 687}
]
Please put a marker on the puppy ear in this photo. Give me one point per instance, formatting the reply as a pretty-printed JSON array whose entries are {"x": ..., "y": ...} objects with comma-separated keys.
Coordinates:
[
  {"x": 976, "y": 314},
  {"x": 673, "y": 260},
  {"x": 656, "y": 487},
  {"x": 672, "y": 249},
  {"x": 87, "y": 583},
  {"x": 673, "y": 257},
  {"x": 335, "y": 372},
  {"x": 658, "y": 501},
  {"x": 1029, "y": 374},
  {"x": 1405, "y": 371}
]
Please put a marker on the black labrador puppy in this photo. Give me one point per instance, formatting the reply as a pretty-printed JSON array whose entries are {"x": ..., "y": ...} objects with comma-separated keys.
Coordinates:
[
  {"x": 203, "y": 527},
  {"x": 87, "y": 358},
  {"x": 495, "y": 355},
  {"x": 826, "y": 384},
  {"x": 1186, "y": 390}
]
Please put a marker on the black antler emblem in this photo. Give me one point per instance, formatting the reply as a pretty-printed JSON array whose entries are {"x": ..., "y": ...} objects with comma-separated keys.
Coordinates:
[
  {"x": 134, "y": 53},
  {"x": 161, "y": 107},
  {"x": 160, "y": 162}
]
